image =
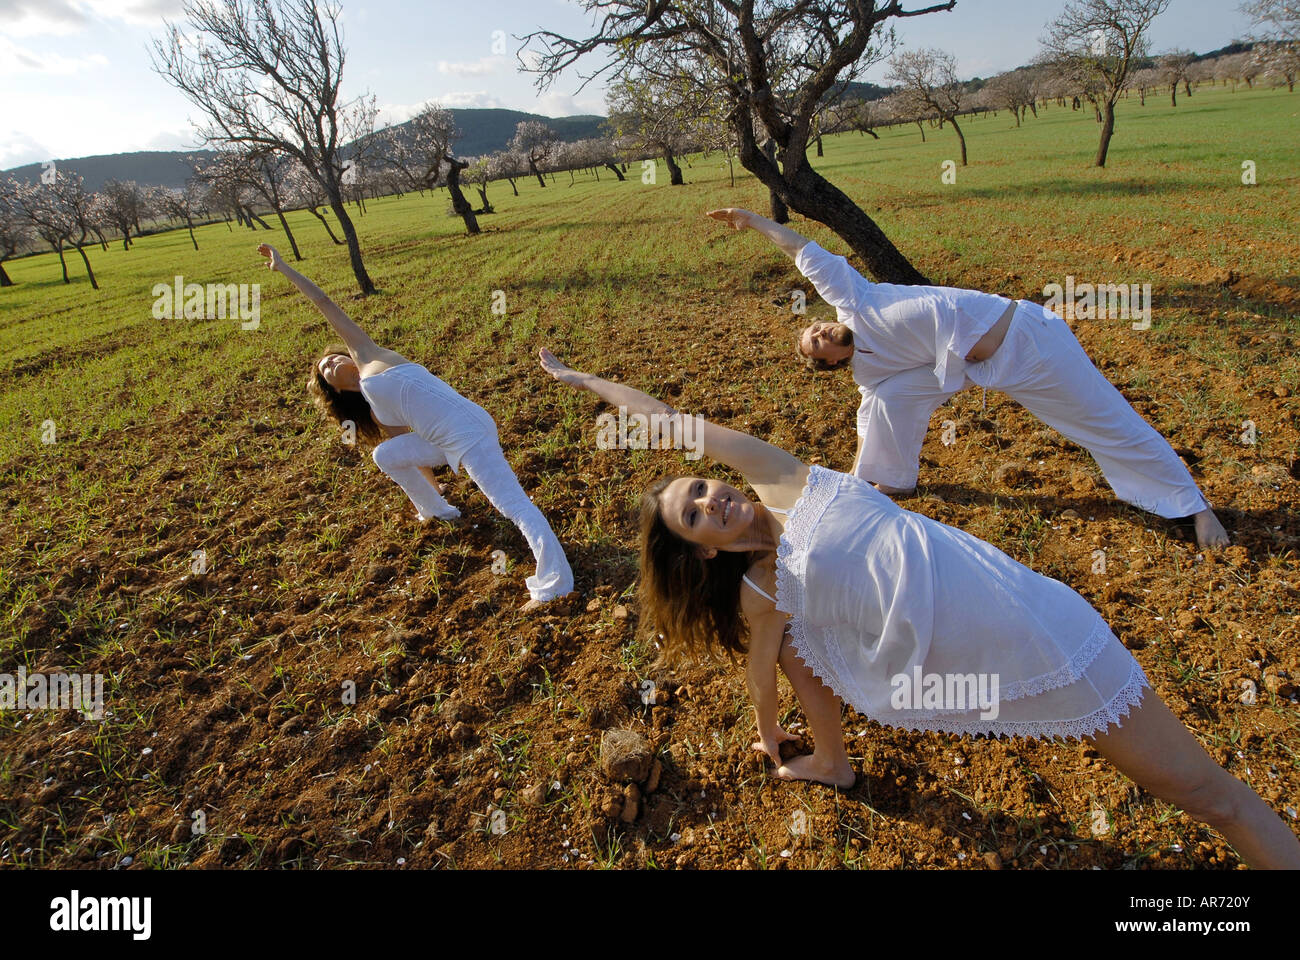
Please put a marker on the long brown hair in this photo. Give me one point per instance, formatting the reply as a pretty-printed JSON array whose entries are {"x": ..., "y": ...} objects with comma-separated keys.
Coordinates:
[
  {"x": 693, "y": 602},
  {"x": 342, "y": 405}
]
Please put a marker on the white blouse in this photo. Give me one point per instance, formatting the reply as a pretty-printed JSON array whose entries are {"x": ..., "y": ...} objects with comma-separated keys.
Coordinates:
[
  {"x": 409, "y": 395},
  {"x": 875, "y": 592}
]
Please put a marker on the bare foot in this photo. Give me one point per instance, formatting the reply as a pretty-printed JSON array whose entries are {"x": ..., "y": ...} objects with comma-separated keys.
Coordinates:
[
  {"x": 559, "y": 605},
  {"x": 1209, "y": 531},
  {"x": 895, "y": 491},
  {"x": 809, "y": 766}
]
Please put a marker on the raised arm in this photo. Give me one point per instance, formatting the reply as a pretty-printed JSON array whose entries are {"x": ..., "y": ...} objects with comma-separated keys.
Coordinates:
[
  {"x": 358, "y": 341},
  {"x": 785, "y": 238},
  {"x": 775, "y": 475}
]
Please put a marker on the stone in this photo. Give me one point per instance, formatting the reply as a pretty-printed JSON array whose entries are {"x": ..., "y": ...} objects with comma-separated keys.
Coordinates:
[{"x": 625, "y": 756}]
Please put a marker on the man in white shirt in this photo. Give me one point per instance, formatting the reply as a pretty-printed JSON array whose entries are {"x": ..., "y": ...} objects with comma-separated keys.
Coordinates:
[{"x": 912, "y": 347}]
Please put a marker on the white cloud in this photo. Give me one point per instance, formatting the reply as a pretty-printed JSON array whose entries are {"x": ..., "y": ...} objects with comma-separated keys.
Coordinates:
[
  {"x": 472, "y": 68},
  {"x": 25, "y": 18},
  {"x": 15, "y": 59},
  {"x": 563, "y": 105},
  {"x": 185, "y": 139},
  {"x": 465, "y": 99},
  {"x": 18, "y": 149}
]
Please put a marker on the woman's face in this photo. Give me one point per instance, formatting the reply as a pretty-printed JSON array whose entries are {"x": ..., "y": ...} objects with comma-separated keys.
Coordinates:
[
  {"x": 340, "y": 372},
  {"x": 706, "y": 512}
]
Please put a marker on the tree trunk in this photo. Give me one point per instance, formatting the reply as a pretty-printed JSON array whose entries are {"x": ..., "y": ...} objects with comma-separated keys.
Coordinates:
[
  {"x": 532, "y": 168},
  {"x": 126, "y": 239},
  {"x": 811, "y": 194},
  {"x": 190, "y": 223},
  {"x": 1187, "y": 87},
  {"x": 820, "y": 152},
  {"x": 482, "y": 192},
  {"x": 1107, "y": 131},
  {"x": 780, "y": 209},
  {"x": 63, "y": 263},
  {"x": 617, "y": 172},
  {"x": 293, "y": 244},
  {"x": 354, "y": 247},
  {"x": 86, "y": 260},
  {"x": 874, "y": 135},
  {"x": 4, "y": 277},
  {"x": 920, "y": 126},
  {"x": 511, "y": 181},
  {"x": 458, "y": 201},
  {"x": 1143, "y": 95},
  {"x": 674, "y": 171},
  {"x": 326, "y": 224},
  {"x": 1034, "y": 108},
  {"x": 1173, "y": 95},
  {"x": 960, "y": 136}
]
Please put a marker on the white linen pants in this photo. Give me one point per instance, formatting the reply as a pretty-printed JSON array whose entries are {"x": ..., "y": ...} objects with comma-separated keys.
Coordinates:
[
  {"x": 1042, "y": 367},
  {"x": 401, "y": 458}
]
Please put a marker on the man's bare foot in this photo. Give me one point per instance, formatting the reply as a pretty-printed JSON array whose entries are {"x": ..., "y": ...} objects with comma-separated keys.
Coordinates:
[
  {"x": 889, "y": 491},
  {"x": 809, "y": 766},
  {"x": 1209, "y": 531}
]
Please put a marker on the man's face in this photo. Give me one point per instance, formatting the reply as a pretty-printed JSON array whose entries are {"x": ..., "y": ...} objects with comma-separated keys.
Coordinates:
[{"x": 831, "y": 342}]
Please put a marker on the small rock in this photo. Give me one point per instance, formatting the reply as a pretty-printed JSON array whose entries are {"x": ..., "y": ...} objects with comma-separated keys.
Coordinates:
[
  {"x": 498, "y": 793},
  {"x": 1069, "y": 514},
  {"x": 1281, "y": 392},
  {"x": 993, "y": 860},
  {"x": 593, "y": 605},
  {"x": 535, "y": 795},
  {"x": 631, "y": 803},
  {"x": 625, "y": 755},
  {"x": 620, "y": 612},
  {"x": 462, "y": 732},
  {"x": 656, "y": 771}
]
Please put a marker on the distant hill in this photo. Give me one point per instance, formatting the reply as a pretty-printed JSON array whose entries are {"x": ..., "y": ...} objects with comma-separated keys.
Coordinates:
[{"x": 482, "y": 131}]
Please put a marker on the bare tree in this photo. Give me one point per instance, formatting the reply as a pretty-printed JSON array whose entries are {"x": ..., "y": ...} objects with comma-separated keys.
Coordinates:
[
  {"x": 1015, "y": 91},
  {"x": 310, "y": 195},
  {"x": 14, "y": 230},
  {"x": 771, "y": 62},
  {"x": 266, "y": 73},
  {"x": 123, "y": 205},
  {"x": 60, "y": 213},
  {"x": 535, "y": 141},
  {"x": 1277, "y": 48},
  {"x": 655, "y": 114},
  {"x": 1094, "y": 43},
  {"x": 929, "y": 80},
  {"x": 179, "y": 204},
  {"x": 419, "y": 153},
  {"x": 1175, "y": 68}
]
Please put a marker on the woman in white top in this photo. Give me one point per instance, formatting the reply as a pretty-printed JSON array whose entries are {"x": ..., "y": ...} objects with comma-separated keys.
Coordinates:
[
  {"x": 864, "y": 602},
  {"x": 912, "y": 347},
  {"x": 416, "y": 422}
]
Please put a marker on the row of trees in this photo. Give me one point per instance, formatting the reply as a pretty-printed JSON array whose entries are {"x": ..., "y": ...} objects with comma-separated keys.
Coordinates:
[{"x": 761, "y": 80}]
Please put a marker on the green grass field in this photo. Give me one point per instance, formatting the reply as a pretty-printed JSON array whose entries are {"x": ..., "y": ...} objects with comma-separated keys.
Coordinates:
[{"x": 177, "y": 435}]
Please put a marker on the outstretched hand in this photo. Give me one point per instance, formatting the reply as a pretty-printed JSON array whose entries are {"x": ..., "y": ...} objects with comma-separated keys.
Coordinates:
[
  {"x": 560, "y": 371},
  {"x": 734, "y": 217},
  {"x": 272, "y": 255}
]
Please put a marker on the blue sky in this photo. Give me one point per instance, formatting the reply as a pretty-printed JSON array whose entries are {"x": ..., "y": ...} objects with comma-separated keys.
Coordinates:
[{"x": 75, "y": 76}]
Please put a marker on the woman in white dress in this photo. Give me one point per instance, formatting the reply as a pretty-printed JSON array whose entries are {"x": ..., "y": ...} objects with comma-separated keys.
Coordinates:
[
  {"x": 861, "y": 601},
  {"x": 416, "y": 423}
]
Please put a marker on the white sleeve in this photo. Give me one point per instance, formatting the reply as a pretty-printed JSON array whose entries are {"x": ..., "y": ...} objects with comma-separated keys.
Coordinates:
[{"x": 837, "y": 283}]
